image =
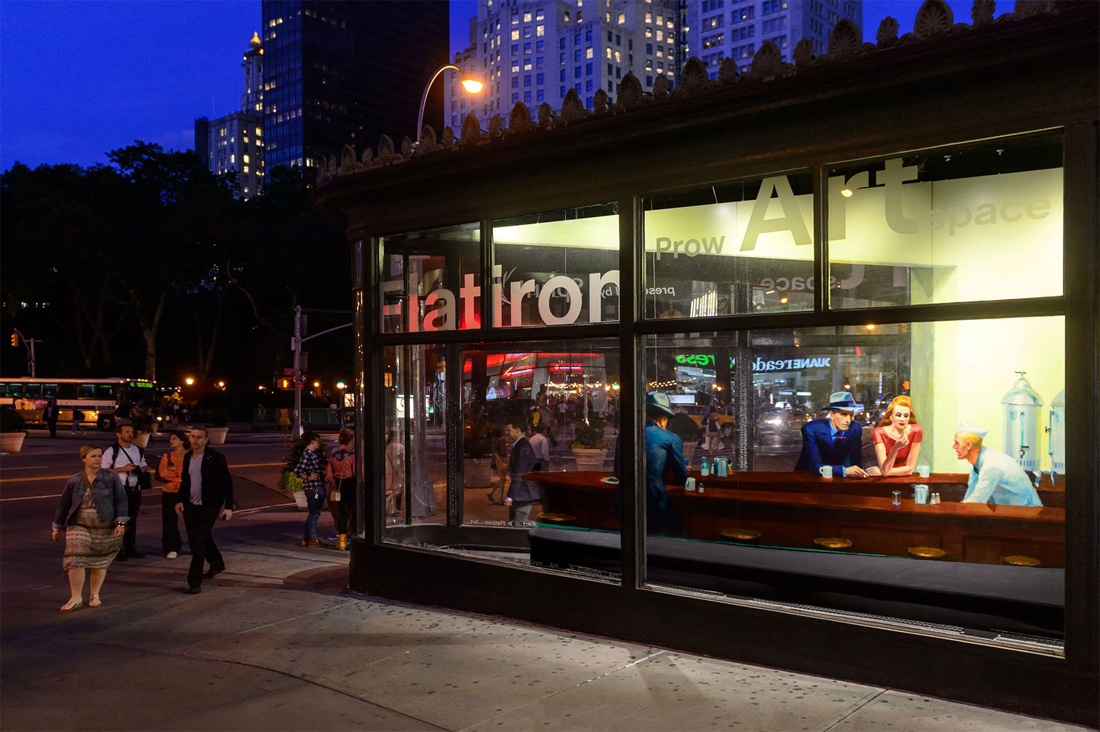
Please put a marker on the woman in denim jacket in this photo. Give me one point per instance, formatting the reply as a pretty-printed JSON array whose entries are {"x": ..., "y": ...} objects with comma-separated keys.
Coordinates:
[{"x": 93, "y": 513}]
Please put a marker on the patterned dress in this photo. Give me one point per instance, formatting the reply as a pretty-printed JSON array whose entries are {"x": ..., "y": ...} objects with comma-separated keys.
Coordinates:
[{"x": 89, "y": 542}]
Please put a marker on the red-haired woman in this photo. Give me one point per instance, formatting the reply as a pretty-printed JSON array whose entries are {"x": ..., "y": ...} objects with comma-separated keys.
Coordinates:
[{"x": 897, "y": 438}]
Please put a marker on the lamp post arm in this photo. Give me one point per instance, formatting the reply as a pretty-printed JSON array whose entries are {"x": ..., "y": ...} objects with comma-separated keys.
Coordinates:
[{"x": 424, "y": 99}]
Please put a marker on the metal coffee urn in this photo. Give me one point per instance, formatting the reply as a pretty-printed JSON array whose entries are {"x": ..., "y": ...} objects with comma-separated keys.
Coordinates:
[
  {"x": 1022, "y": 407},
  {"x": 1056, "y": 426}
]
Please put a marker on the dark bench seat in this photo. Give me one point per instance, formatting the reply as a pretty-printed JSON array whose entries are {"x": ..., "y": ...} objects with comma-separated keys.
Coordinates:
[{"x": 1028, "y": 600}]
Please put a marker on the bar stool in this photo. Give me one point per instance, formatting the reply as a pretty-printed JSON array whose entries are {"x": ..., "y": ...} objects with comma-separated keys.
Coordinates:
[
  {"x": 555, "y": 518},
  {"x": 833, "y": 542},
  {"x": 926, "y": 552},
  {"x": 1019, "y": 560},
  {"x": 741, "y": 536}
]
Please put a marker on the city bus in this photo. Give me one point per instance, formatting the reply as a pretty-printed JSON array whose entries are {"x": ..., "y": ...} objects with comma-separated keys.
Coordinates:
[{"x": 96, "y": 398}]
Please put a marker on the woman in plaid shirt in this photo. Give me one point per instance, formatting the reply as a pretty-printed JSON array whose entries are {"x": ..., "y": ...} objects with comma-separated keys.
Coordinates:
[{"x": 311, "y": 470}]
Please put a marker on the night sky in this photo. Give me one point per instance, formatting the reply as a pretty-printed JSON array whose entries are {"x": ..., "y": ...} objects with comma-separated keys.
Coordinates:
[{"x": 78, "y": 79}]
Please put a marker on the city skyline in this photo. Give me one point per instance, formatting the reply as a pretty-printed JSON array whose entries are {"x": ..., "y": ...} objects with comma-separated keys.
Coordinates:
[{"x": 78, "y": 79}]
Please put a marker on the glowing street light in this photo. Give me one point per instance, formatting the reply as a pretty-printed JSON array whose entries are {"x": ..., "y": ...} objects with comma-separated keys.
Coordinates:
[
  {"x": 341, "y": 385},
  {"x": 189, "y": 381},
  {"x": 471, "y": 85}
]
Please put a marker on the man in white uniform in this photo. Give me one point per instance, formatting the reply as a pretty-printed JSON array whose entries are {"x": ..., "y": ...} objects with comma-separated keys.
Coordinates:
[{"x": 994, "y": 477}]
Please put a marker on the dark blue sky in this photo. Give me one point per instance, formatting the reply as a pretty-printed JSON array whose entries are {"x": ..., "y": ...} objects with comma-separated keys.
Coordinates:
[{"x": 80, "y": 78}]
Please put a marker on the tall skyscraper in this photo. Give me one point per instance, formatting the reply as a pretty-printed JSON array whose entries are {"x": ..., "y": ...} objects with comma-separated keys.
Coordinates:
[
  {"x": 532, "y": 51},
  {"x": 720, "y": 29},
  {"x": 339, "y": 72},
  {"x": 234, "y": 143}
]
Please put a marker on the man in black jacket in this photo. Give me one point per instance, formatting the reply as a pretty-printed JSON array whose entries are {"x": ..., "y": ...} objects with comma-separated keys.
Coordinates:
[{"x": 205, "y": 487}]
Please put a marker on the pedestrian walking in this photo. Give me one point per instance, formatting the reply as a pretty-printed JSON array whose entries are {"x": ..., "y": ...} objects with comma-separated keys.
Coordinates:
[
  {"x": 395, "y": 475},
  {"x": 311, "y": 471},
  {"x": 284, "y": 422},
  {"x": 170, "y": 471},
  {"x": 50, "y": 415},
  {"x": 92, "y": 514},
  {"x": 78, "y": 417},
  {"x": 341, "y": 474},
  {"x": 128, "y": 461},
  {"x": 499, "y": 450},
  {"x": 206, "y": 492}
]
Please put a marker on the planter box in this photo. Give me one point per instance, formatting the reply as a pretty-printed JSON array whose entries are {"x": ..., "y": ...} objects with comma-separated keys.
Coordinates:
[
  {"x": 217, "y": 435},
  {"x": 589, "y": 459},
  {"x": 141, "y": 439},
  {"x": 478, "y": 472},
  {"x": 300, "y": 500},
  {"x": 12, "y": 441}
]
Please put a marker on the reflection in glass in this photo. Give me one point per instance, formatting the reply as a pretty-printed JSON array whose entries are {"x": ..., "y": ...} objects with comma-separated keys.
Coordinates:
[
  {"x": 734, "y": 248},
  {"x": 977, "y": 223},
  {"x": 557, "y": 267}
]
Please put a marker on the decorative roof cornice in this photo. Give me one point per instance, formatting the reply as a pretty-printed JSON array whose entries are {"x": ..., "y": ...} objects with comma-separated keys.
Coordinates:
[{"x": 934, "y": 22}]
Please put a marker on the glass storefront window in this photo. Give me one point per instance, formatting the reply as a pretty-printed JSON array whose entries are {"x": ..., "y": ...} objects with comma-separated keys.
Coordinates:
[
  {"x": 557, "y": 267},
  {"x": 729, "y": 249},
  {"x": 974, "y": 223},
  {"x": 971, "y": 412},
  {"x": 431, "y": 280}
]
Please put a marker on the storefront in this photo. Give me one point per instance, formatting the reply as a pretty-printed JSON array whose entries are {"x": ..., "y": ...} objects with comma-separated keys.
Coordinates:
[{"x": 917, "y": 219}]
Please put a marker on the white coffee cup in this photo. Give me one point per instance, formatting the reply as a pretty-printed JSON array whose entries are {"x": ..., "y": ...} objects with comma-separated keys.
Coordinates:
[
  {"x": 826, "y": 472},
  {"x": 920, "y": 494},
  {"x": 922, "y": 471}
]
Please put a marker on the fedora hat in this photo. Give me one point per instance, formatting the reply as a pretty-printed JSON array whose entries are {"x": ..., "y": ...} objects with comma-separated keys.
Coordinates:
[
  {"x": 843, "y": 401},
  {"x": 655, "y": 400}
]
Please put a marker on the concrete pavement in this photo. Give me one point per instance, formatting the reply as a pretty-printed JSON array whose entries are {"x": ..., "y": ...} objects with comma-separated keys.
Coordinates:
[{"x": 277, "y": 643}]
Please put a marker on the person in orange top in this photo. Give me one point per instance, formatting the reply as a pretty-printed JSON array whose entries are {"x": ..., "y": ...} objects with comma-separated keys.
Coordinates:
[
  {"x": 170, "y": 471},
  {"x": 897, "y": 438},
  {"x": 341, "y": 473}
]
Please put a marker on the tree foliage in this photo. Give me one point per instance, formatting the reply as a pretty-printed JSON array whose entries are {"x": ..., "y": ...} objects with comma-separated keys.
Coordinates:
[{"x": 97, "y": 261}]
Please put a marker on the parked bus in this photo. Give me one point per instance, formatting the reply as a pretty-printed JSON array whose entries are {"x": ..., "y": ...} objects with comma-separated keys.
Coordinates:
[{"x": 96, "y": 398}]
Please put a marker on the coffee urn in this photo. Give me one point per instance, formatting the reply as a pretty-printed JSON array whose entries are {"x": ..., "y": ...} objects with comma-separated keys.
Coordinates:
[
  {"x": 1056, "y": 426},
  {"x": 1022, "y": 407}
]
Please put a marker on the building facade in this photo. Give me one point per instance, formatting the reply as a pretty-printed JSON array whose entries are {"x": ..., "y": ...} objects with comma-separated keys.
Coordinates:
[
  {"x": 737, "y": 247},
  {"x": 341, "y": 73},
  {"x": 535, "y": 52},
  {"x": 721, "y": 29},
  {"x": 235, "y": 143}
]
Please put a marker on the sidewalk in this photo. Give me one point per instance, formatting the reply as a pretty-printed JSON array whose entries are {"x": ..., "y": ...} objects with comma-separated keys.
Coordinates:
[{"x": 276, "y": 643}]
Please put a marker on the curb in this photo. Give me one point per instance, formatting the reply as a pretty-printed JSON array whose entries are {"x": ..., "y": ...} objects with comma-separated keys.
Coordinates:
[{"x": 313, "y": 579}]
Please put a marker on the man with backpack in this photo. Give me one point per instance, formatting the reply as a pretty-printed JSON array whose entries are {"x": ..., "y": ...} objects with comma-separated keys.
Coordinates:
[{"x": 128, "y": 461}]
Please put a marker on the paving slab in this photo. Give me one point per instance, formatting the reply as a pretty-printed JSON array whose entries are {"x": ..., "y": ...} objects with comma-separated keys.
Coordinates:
[
  {"x": 897, "y": 710},
  {"x": 340, "y": 641},
  {"x": 671, "y": 691},
  {"x": 131, "y": 690},
  {"x": 306, "y": 708},
  {"x": 485, "y": 672}
]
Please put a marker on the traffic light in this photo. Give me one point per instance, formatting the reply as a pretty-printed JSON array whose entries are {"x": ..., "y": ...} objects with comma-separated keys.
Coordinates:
[
  {"x": 286, "y": 383},
  {"x": 14, "y": 340}
]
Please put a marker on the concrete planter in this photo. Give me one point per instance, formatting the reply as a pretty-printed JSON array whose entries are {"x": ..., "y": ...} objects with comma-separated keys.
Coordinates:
[
  {"x": 589, "y": 459},
  {"x": 141, "y": 439},
  {"x": 300, "y": 500},
  {"x": 217, "y": 435},
  {"x": 477, "y": 472},
  {"x": 12, "y": 441}
]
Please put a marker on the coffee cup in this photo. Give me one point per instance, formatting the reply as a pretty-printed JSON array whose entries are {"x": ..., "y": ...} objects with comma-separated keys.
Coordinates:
[
  {"x": 826, "y": 472},
  {"x": 923, "y": 471},
  {"x": 920, "y": 494}
]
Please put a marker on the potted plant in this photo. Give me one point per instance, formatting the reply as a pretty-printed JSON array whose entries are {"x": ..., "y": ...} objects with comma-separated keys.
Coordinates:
[
  {"x": 588, "y": 445},
  {"x": 477, "y": 446},
  {"x": 290, "y": 483},
  {"x": 142, "y": 431},
  {"x": 219, "y": 425},
  {"x": 12, "y": 430}
]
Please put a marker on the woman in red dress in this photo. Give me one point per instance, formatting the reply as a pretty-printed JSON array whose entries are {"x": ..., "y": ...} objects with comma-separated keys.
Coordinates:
[{"x": 897, "y": 438}]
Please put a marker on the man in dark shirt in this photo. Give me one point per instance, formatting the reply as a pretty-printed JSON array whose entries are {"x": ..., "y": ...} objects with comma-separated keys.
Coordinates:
[
  {"x": 206, "y": 486},
  {"x": 522, "y": 494}
]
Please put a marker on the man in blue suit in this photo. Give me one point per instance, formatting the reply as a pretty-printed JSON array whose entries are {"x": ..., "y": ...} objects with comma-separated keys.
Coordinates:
[{"x": 834, "y": 440}]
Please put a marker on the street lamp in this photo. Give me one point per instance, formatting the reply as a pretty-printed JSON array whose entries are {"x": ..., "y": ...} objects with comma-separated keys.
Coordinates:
[
  {"x": 189, "y": 381},
  {"x": 473, "y": 86}
]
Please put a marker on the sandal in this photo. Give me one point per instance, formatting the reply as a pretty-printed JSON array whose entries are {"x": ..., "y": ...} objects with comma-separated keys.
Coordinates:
[
  {"x": 71, "y": 605},
  {"x": 94, "y": 601}
]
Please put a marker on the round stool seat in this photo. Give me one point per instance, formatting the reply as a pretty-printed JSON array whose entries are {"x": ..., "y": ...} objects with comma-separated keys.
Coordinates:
[
  {"x": 555, "y": 518},
  {"x": 742, "y": 535},
  {"x": 926, "y": 552},
  {"x": 1019, "y": 560},
  {"x": 833, "y": 542}
]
